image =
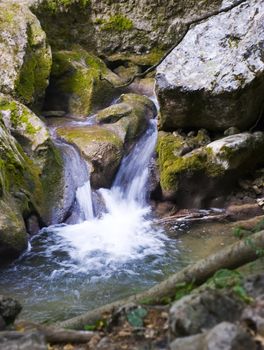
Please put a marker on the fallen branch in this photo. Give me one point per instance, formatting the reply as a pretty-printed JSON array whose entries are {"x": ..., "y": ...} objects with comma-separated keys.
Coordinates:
[
  {"x": 233, "y": 256},
  {"x": 186, "y": 30},
  {"x": 56, "y": 335}
]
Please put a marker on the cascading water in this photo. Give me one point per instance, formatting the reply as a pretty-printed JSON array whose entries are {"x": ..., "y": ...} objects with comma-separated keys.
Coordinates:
[
  {"x": 123, "y": 232},
  {"x": 95, "y": 259}
]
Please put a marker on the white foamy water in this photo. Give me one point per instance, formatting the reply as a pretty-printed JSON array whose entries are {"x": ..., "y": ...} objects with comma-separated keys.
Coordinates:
[{"x": 123, "y": 232}]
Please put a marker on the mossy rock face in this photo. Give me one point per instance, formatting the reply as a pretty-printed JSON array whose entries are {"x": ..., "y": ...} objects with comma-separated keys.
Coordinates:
[
  {"x": 25, "y": 59},
  {"x": 31, "y": 170},
  {"x": 77, "y": 86},
  {"x": 129, "y": 118},
  {"x": 134, "y": 26},
  {"x": 192, "y": 176},
  {"x": 101, "y": 148}
]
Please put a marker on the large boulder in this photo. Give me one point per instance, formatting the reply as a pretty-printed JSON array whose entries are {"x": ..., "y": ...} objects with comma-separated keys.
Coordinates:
[
  {"x": 214, "y": 79},
  {"x": 195, "y": 176},
  {"x": 77, "y": 84},
  {"x": 25, "y": 59}
]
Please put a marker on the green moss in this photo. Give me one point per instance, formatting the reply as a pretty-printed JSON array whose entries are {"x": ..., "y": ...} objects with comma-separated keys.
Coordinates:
[
  {"x": 84, "y": 136},
  {"x": 118, "y": 23},
  {"x": 173, "y": 166},
  {"x": 19, "y": 116},
  {"x": 147, "y": 59},
  {"x": 35, "y": 71},
  {"x": 76, "y": 78}
]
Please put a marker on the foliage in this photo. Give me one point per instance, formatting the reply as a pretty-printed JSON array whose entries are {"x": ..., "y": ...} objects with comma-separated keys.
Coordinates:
[
  {"x": 225, "y": 278},
  {"x": 183, "y": 289},
  {"x": 136, "y": 317}
]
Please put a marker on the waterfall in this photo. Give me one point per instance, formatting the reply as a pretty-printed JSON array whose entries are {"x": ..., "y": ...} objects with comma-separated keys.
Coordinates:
[
  {"x": 84, "y": 200},
  {"x": 124, "y": 231}
]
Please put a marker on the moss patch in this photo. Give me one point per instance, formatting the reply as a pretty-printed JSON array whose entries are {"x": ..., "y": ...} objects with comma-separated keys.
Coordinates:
[{"x": 118, "y": 23}]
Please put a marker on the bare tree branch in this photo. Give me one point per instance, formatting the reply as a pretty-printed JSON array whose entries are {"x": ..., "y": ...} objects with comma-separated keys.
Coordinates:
[{"x": 188, "y": 26}]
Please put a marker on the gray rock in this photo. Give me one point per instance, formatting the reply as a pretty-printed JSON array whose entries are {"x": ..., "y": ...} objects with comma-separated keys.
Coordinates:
[
  {"x": 253, "y": 315},
  {"x": 137, "y": 26},
  {"x": 9, "y": 309},
  {"x": 215, "y": 78},
  {"x": 228, "y": 336},
  {"x": 193, "y": 342},
  {"x": 224, "y": 336},
  {"x": 22, "y": 341},
  {"x": 196, "y": 313}
]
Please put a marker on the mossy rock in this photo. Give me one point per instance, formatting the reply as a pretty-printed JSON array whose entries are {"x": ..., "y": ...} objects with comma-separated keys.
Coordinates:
[
  {"x": 25, "y": 60},
  {"x": 195, "y": 177},
  {"x": 77, "y": 83},
  {"x": 31, "y": 168},
  {"x": 101, "y": 148},
  {"x": 129, "y": 118}
]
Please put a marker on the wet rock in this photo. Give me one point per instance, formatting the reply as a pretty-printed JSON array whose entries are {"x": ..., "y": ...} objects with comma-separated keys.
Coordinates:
[
  {"x": 104, "y": 145},
  {"x": 129, "y": 118},
  {"x": 9, "y": 309},
  {"x": 22, "y": 341},
  {"x": 196, "y": 177},
  {"x": 101, "y": 148},
  {"x": 215, "y": 78},
  {"x": 25, "y": 60},
  {"x": 196, "y": 313},
  {"x": 77, "y": 84}
]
